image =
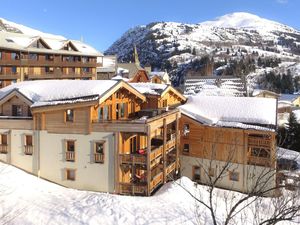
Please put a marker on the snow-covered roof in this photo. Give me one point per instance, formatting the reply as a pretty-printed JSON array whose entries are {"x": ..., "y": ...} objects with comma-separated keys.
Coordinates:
[
  {"x": 149, "y": 88},
  {"x": 53, "y": 92},
  {"x": 257, "y": 92},
  {"x": 119, "y": 77},
  {"x": 215, "y": 110},
  {"x": 288, "y": 97},
  {"x": 22, "y": 42},
  {"x": 160, "y": 74}
]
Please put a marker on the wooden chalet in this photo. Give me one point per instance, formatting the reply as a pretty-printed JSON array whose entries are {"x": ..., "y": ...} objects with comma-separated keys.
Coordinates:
[
  {"x": 102, "y": 137},
  {"x": 228, "y": 131}
]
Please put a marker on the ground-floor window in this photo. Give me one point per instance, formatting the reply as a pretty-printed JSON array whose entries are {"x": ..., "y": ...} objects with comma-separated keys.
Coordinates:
[
  {"x": 71, "y": 174},
  {"x": 196, "y": 173},
  {"x": 234, "y": 176}
]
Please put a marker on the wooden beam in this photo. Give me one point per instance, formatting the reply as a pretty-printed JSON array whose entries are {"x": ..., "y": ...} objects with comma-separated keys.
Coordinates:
[
  {"x": 164, "y": 151},
  {"x": 148, "y": 159}
]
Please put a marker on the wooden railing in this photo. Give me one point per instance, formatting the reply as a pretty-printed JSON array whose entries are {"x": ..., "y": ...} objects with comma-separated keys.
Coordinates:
[
  {"x": 170, "y": 168},
  {"x": 99, "y": 157},
  {"x": 157, "y": 152},
  {"x": 128, "y": 188},
  {"x": 28, "y": 149},
  {"x": 259, "y": 161},
  {"x": 3, "y": 148},
  {"x": 70, "y": 156},
  {"x": 156, "y": 180},
  {"x": 170, "y": 144},
  {"x": 259, "y": 142},
  {"x": 133, "y": 158}
]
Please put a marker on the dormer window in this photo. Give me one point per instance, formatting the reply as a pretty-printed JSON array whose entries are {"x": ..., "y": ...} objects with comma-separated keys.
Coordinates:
[
  {"x": 9, "y": 40},
  {"x": 17, "y": 110}
]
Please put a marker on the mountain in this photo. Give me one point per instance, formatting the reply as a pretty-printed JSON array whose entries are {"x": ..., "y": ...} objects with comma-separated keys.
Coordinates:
[
  {"x": 215, "y": 46},
  {"x": 8, "y": 26}
]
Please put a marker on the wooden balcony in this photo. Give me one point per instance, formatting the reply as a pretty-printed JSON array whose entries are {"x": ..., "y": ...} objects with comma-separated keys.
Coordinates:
[
  {"x": 28, "y": 149},
  {"x": 259, "y": 142},
  {"x": 99, "y": 158},
  {"x": 133, "y": 189},
  {"x": 156, "y": 180},
  {"x": 170, "y": 144},
  {"x": 9, "y": 76},
  {"x": 259, "y": 161},
  {"x": 170, "y": 168},
  {"x": 59, "y": 76},
  {"x": 156, "y": 153},
  {"x": 3, "y": 148},
  {"x": 70, "y": 156},
  {"x": 133, "y": 159}
]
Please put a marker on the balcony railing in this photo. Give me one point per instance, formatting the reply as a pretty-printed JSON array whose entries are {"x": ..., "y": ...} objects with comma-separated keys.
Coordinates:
[
  {"x": 157, "y": 152},
  {"x": 28, "y": 149},
  {"x": 99, "y": 157},
  {"x": 259, "y": 161},
  {"x": 170, "y": 168},
  {"x": 133, "y": 189},
  {"x": 170, "y": 144},
  {"x": 70, "y": 156},
  {"x": 259, "y": 142},
  {"x": 156, "y": 180},
  {"x": 3, "y": 148},
  {"x": 133, "y": 158}
]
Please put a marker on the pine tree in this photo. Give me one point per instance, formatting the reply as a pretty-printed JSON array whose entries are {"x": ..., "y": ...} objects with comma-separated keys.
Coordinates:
[{"x": 293, "y": 131}]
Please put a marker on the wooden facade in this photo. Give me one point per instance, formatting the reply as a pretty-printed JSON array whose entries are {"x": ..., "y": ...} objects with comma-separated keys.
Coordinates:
[
  {"x": 208, "y": 148},
  {"x": 39, "y": 62}
]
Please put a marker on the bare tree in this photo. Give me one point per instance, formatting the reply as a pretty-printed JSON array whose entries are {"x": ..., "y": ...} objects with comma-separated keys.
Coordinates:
[{"x": 269, "y": 204}]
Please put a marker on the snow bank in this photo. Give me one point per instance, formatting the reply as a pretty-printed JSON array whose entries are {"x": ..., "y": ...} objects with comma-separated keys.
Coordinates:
[{"x": 28, "y": 200}]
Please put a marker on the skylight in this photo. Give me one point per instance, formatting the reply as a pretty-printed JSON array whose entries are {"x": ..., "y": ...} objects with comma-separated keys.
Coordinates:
[{"x": 9, "y": 40}]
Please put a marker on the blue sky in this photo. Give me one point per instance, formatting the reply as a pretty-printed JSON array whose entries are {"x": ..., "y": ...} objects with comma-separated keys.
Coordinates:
[{"x": 101, "y": 22}]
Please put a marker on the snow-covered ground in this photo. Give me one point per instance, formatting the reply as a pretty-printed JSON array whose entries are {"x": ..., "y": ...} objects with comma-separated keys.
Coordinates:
[{"x": 26, "y": 199}]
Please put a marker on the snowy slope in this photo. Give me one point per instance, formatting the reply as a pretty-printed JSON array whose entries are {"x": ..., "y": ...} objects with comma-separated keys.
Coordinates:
[
  {"x": 28, "y": 200},
  {"x": 174, "y": 46}
]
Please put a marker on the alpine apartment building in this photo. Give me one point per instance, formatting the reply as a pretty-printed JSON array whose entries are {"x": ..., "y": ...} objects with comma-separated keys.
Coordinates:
[
  {"x": 24, "y": 57},
  {"x": 106, "y": 135}
]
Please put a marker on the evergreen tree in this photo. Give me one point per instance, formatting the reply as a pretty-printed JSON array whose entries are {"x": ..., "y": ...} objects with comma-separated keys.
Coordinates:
[{"x": 293, "y": 131}]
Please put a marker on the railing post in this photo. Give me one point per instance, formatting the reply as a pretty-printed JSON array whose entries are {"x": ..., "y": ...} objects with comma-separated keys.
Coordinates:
[
  {"x": 164, "y": 151},
  {"x": 148, "y": 159}
]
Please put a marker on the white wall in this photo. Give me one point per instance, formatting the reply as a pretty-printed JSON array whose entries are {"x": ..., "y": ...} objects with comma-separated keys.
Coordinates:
[
  {"x": 89, "y": 175},
  {"x": 247, "y": 173},
  {"x": 15, "y": 155}
]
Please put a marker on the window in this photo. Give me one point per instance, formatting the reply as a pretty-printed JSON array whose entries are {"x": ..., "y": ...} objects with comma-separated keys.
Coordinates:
[
  {"x": 70, "y": 150},
  {"x": 49, "y": 57},
  {"x": 234, "y": 176},
  {"x": 17, "y": 110},
  {"x": 260, "y": 152},
  {"x": 133, "y": 145},
  {"x": 15, "y": 56},
  {"x": 14, "y": 69},
  {"x": 49, "y": 69},
  {"x": 211, "y": 172},
  {"x": 196, "y": 174},
  {"x": 71, "y": 174},
  {"x": 85, "y": 59},
  {"x": 3, "y": 143},
  {"x": 186, "y": 130},
  {"x": 186, "y": 148},
  {"x": 106, "y": 112},
  {"x": 28, "y": 145},
  {"x": 86, "y": 69},
  {"x": 0, "y": 69},
  {"x": 33, "y": 56},
  {"x": 99, "y": 152},
  {"x": 69, "y": 115},
  {"x": 100, "y": 113},
  {"x": 120, "y": 113},
  {"x": 0, "y": 55}
]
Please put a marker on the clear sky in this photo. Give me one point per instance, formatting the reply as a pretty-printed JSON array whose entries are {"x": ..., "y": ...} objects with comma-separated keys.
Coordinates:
[{"x": 100, "y": 22}]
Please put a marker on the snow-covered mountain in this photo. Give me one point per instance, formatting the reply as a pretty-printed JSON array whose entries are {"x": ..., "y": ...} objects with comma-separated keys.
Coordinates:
[
  {"x": 173, "y": 46},
  {"x": 9, "y": 26}
]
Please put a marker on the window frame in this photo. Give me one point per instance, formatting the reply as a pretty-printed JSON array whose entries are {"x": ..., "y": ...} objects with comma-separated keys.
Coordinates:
[
  {"x": 67, "y": 116},
  {"x": 98, "y": 156},
  {"x": 234, "y": 176},
  {"x": 184, "y": 147},
  {"x": 68, "y": 172}
]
